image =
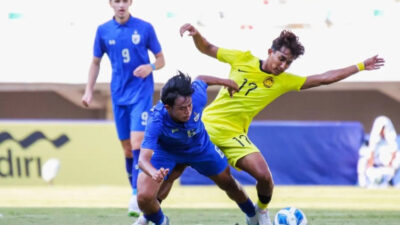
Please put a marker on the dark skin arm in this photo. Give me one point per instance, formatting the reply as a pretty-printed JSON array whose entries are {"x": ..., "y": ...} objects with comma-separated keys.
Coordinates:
[
  {"x": 146, "y": 166},
  {"x": 227, "y": 83},
  {"x": 328, "y": 77},
  {"x": 93, "y": 74},
  {"x": 333, "y": 76},
  {"x": 201, "y": 43}
]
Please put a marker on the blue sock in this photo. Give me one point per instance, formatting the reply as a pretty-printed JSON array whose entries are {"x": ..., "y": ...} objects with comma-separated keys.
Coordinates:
[
  {"x": 156, "y": 218},
  {"x": 135, "y": 169},
  {"x": 248, "y": 207},
  {"x": 128, "y": 167}
]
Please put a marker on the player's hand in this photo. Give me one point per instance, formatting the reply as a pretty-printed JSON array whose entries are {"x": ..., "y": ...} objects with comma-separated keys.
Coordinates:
[
  {"x": 87, "y": 98},
  {"x": 142, "y": 71},
  {"x": 374, "y": 63},
  {"x": 231, "y": 86},
  {"x": 189, "y": 28},
  {"x": 159, "y": 175}
]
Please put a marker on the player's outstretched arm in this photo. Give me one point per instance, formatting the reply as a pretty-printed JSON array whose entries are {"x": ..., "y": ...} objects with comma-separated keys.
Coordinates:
[
  {"x": 333, "y": 76},
  {"x": 146, "y": 166},
  {"x": 93, "y": 74},
  {"x": 227, "y": 83},
  {"x": 201, "y": 43}
]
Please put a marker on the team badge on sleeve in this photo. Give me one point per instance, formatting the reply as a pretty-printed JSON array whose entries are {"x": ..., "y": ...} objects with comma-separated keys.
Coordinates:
[
  {"x": 268, "y": 82},
  {"x": 135, "y": 38}
]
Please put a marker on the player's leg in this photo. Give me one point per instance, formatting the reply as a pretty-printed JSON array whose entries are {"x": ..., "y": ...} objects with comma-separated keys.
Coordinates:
[
  {"x": 122, "y": 122},
  {"x": 148, "y": 190},
  {"x": 235, "y": 191},
  {"x": 167, "y": 184},
  {"x": 244, "y": 155},
  {"x": 138, "y": 115},
  {"x": 126, "y": 147},
  {"x": 257, "y": 167},
  {"x": 121, "y": 119},
  {"x": 241, "y": 152},
  {"x": 147, "y": 200},
  {"x": 164, "y": 190},
  {"x": 135, "y": 142},
  {"x": 232, "y": 187},
  {"x": 213, "y": 164}
]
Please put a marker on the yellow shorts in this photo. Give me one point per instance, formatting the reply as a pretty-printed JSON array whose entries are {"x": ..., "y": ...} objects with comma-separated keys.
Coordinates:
[{"x": 234, "y": 146}]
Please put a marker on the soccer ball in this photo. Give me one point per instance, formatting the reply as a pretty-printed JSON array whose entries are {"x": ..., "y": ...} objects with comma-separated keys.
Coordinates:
[{"x": 290, "y": 216}]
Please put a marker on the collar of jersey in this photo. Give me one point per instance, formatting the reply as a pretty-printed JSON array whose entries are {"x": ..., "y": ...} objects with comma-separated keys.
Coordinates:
[{"x": 129, "y": 22}]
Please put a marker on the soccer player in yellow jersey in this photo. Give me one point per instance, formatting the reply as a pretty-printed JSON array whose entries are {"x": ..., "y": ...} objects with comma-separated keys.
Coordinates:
[{"x": 260, "y": 82}]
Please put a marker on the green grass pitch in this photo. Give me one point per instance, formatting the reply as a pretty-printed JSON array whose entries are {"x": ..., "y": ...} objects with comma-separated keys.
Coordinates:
[
  {"x": 111, "y": 216},
  {"x": 195, "y": 205}
]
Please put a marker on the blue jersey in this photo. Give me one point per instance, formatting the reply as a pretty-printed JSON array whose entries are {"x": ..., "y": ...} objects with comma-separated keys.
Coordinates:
[
  {"x": 164, "y": 134},
  {"x": 127, "y": 47}
]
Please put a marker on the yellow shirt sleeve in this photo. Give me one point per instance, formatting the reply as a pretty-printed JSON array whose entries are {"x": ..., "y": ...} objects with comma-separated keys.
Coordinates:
[
  {"x": 228, "y": 55},
  {"x": 294, "y": 82}
]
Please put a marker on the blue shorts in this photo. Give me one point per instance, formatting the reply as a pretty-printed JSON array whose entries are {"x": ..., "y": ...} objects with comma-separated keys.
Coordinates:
[
  {"x": 211, "y": 161},
  {"x": 131, "y": 117}
]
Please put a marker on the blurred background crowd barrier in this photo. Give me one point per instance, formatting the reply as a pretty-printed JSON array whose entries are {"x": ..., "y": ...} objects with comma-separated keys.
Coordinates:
[{"x": 46, "y": 54}]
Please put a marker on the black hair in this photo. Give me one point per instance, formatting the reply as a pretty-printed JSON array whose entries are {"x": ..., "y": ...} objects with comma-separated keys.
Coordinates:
[
  {"x": 178, "y": 85},
  {"x": 289, "y": 40}
]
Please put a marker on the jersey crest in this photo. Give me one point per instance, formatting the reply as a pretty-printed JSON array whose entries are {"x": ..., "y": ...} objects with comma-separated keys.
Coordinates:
[
  {"x": 196, "y": 116},
  {"x": 268, "y": 82},
  {"x": 135, "y": 38}
]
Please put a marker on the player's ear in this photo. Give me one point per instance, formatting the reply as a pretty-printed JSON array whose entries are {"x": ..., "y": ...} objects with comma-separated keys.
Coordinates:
[
  {"x": 270, "y": 51},
  {"x": 167, "y": 107}
]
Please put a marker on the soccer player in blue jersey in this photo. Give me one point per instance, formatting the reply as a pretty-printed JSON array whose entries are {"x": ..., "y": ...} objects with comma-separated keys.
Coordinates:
[
  {"x": 126, "y": 40},
  {"x": 175, "y": 134}
]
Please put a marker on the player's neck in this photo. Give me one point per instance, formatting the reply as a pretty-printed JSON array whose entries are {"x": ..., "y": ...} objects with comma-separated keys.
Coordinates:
[
  {"x": 263, "y": 66},
  {"x": 122, "y": 20}
]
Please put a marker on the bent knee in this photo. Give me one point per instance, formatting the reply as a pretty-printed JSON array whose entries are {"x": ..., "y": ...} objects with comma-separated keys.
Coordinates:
[
  {"x": 229, "y": 184},
  {"x": 144, "y": 198},
  {"x": 265, "y": 178}
]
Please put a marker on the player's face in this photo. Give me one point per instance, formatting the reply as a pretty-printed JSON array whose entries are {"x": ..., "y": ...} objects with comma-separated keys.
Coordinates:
[
  {"x": 278, "y": 60},
  {"x": 182, "y": 109},
  {"x": 121, "y": 8}
]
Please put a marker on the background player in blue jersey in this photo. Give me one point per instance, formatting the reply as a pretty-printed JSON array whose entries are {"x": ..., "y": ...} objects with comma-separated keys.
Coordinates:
[
  {"x": 126, "y": 40},
  {"x": 175, "y": 135}
]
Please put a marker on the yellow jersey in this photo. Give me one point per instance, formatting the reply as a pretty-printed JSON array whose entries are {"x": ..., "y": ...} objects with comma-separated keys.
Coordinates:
[{"x": 227, "y": 116}]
